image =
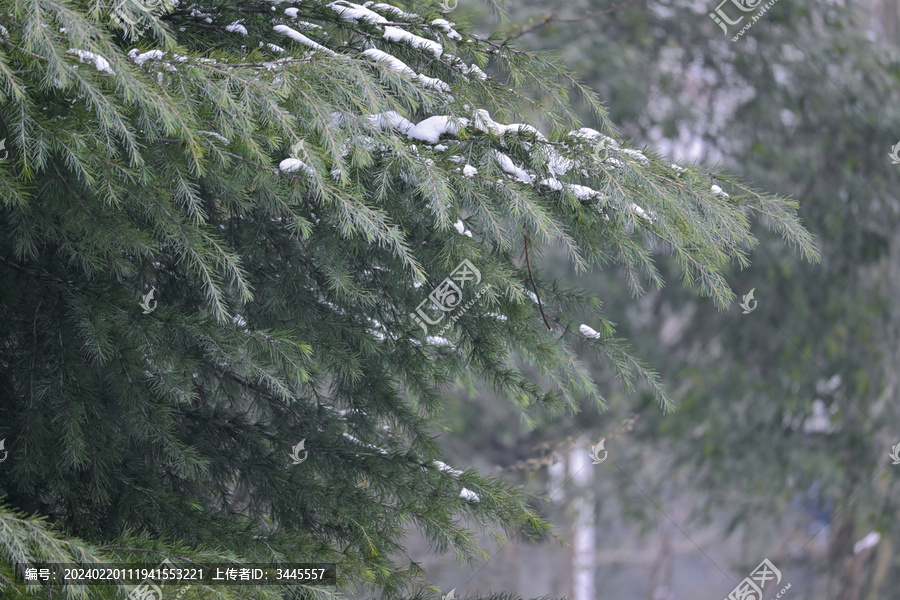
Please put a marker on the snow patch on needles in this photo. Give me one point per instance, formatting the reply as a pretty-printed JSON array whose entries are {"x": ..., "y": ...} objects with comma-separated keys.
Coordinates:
[
  {"x": 391, "y": 120},
  {"x": 476, "y": 71},
  {"x": 447, "y": 26},
  {"x": 299, "y": 37},
  {"x": 391, "y": 61},
  {"x": 355, "y": 13},
  {"x": 483, "y": 122},
  {"x": 467, "y": 494},
  {"x": 85, "y": 56},
  {"x": 139, "y": 59},
  {"x": 434, "y": 83},
  {"x": 635, "y": 154},
  {"x": 586, "y": 133},
  {"x": 431, "y": 129},
  {"x": 470, "y": 171},
  {"x": 395, "y": 64},
  {"x": 461, "y": 228},
  {"x": 207, "y": 17},
  {"x": 291, "y": 165},
  {"x": 589, "y": 333},
  {"x": 219, "y": 137},
  {"x": 362, "y": 443},
  {"x": 445, "y": 468},
  {"x": 642, "y": 213},
  {"x": 553, "y": 184},
  {"x": 395, "y": 34},
  {"x": 395, "y": 11},
  {"x": 435, "y": 340},
  {"x": 236, "y": 27},
  {"x": 294, "y": 13},
  {"x": 582, "y": 192},
  {"x": 510, "y": 167},
  {"x": 718, "y": 191}
]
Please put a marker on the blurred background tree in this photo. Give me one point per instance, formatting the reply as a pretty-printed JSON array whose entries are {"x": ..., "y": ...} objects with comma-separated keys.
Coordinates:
[{"x": 786, "y": 415}]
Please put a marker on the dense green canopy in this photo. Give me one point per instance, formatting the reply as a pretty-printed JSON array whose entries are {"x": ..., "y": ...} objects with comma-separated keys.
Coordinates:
[{"x": 295, "y": 184}]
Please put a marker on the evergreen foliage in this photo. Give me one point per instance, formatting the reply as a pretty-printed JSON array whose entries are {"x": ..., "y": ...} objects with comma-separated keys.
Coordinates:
[
  {"x": 291, "y": 192},
  {"x": 805, "y": 103}
]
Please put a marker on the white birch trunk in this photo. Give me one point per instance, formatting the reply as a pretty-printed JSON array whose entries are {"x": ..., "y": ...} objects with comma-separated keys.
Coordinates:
[{"x": 584, "y": 540}]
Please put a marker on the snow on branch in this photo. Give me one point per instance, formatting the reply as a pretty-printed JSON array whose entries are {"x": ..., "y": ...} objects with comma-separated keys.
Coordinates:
[
  {"x": 236, "y": 27},
  {"x": 395, "y": 34},
  {"x": 101, "y": 63},
  {"x": 355, "y": 13},
  {"x": 589, "y": 332},
  {"x": 299, "y": 37},
  {"x": 433, "y": 128}
]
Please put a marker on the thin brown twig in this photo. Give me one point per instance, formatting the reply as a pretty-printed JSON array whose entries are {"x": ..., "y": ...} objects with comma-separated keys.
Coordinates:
[{"x": 534, "y": 285}]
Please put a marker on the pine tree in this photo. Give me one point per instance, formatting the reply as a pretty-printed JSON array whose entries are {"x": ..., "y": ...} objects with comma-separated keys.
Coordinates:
[{"x": 232, "y": 232}]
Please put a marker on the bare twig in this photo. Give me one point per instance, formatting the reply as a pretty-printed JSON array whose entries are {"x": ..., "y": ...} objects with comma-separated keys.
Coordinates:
[{"x": 534, "y": 285}]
